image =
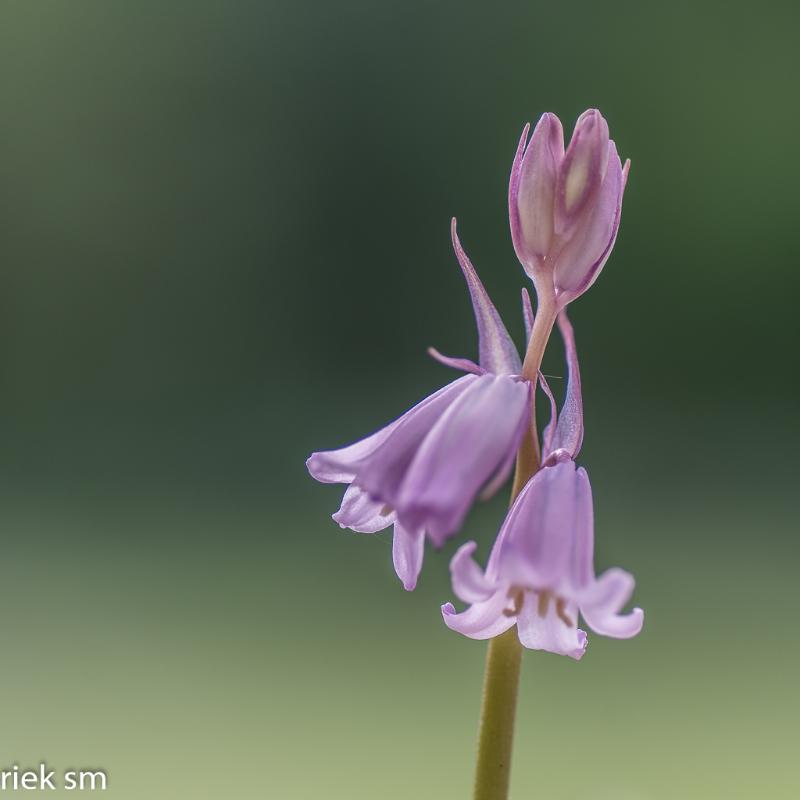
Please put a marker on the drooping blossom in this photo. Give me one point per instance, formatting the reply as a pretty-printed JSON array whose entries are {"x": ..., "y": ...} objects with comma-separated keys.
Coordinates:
[
  {"x": 422, "y": 472},
  {"x": 540, "y": 574},
  {"x": 565, "y": 206}
]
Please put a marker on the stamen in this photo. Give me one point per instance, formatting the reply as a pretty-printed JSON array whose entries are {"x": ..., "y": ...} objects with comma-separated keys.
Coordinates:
[
  {"x": 561, "y": 606},
  {"x": 544, "y": 602},
  {"x": 518, "y": 598},
  {"x": 543, "y": 599},
  {"x": 386, "y": 510}
]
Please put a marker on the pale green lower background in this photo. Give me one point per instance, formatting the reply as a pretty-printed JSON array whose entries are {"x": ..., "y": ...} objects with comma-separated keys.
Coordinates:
[{"x": 196, "y": 661}]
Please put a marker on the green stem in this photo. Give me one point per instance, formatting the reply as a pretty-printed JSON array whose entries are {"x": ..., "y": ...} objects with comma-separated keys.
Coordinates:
[
  {"x": 500, "y": 683},
  {"x": 504, "y": 656}
]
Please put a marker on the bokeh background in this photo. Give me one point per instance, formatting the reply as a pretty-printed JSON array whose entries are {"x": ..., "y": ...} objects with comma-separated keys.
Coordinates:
[{"x": 224, "y": 243}]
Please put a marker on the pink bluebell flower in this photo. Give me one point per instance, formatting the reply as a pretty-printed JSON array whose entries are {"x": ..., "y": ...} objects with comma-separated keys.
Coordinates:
[
  {"x": 565, "y": 205},
  {"x": 540, "y": 574},
  {"x": 422, "y": 472}
]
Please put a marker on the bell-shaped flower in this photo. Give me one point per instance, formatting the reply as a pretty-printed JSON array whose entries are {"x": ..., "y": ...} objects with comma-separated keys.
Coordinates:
[
  {"x": 540, "y": 574},
  {"x": 565, "y": 206},
  {"x": 423, "y": 471}
]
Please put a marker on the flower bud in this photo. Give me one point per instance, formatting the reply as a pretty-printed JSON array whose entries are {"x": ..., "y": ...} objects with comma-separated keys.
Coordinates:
[{"x": 564, "y": 206}]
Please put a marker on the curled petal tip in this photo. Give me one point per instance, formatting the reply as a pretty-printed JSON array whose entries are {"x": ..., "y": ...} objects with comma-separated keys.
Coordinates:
[
  {"x": 623, "y": 626},
  {"x": 602, "y": 601},
  {"x": 407, "y": 553},
  {"x": 409, "y": 585},
  {"x": 469, "y": 582}
]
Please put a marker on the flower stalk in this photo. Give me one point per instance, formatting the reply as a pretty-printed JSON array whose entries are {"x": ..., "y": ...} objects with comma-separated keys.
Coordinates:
[
  {"x": 504, "y": 653},
  {"x": 529, "y": 456},
  {"x": 499, "y": 706}
]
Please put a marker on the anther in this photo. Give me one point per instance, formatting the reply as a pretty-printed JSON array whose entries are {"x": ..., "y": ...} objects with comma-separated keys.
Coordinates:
[
  {"x": 518, "y": 598},
  {"x": 561, "y": 610},
  {"x": 544, "y": 602}
]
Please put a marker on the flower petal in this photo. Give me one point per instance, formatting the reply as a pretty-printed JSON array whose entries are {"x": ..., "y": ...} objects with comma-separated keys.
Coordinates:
[
  {"x": 516, "y": 568},
  {"x": 602, "y": 601},
  {"x": 504, "y": 470},
  {"x": 513, "y": 196},
  {"x": 463, "y": 450},
  {"x": 382, "y": 471},
  {"x": 532, "y": 191},
  {"x": 361, "y": 513},
  {"x": 541, "y": 524},
  {"x": 579, "y": 263},
  {"x": 481, "y": 620},
  {"x": 408, "y": 550},
  {"x": 469, "y": 583},
  {"x": 582, "y": 569},
  {"x": 601, "y": 261},
  {"x": 342, "y": 465},
  {"x": 497, "y": 352},
  {"x": 549, "y": 632},
  {"x": 581, "y": 171}
]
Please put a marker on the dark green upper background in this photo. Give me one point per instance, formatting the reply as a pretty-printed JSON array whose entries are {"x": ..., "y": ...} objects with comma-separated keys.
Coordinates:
[
  {"x": 222, "y": 221},
  {"x": 224, "y": 243}
]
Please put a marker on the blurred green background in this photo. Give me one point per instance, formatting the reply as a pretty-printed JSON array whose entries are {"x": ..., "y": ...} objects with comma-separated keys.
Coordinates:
[{"x": 224, "y": 243}]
